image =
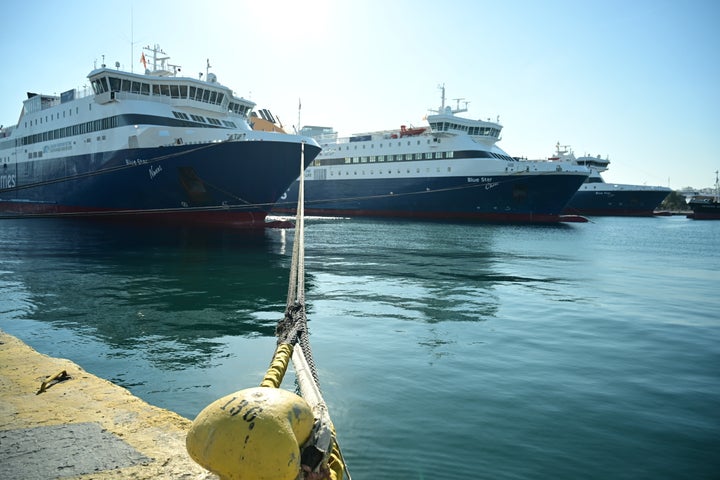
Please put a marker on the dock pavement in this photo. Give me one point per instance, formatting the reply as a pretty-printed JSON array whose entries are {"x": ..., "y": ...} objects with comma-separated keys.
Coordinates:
[{"x": 58, "y": 421}]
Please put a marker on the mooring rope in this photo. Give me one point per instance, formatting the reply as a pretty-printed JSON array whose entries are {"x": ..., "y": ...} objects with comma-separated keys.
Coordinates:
[{"x": 321, "y": 455}]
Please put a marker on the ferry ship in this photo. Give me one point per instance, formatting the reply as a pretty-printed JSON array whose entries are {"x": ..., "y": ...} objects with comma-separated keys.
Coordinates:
[
  {"x": 598, "y": 198},
  {"x": 451, "y": 169},
  {"x": 154, "y": 146},
  {"x": 704, "y": 206}
]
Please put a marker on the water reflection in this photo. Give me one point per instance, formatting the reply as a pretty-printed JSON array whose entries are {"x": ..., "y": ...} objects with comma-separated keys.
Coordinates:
[
  {"x": 169, "y": 290},
  {"x": 420, "y": 271}
]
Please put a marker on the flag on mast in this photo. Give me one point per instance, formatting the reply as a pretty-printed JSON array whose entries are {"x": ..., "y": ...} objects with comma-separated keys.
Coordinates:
[{"x": 142, "y": 60}]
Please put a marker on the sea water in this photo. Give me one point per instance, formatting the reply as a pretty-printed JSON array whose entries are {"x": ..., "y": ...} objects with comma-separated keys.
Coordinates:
[{"x": 444, "y": 350}]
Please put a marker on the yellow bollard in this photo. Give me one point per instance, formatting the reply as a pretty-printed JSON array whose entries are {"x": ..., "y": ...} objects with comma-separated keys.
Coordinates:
[{"x": 253, "y": 434}]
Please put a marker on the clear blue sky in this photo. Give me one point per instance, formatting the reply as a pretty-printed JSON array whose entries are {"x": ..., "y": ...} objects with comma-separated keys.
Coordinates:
[{"x": 635, "y": 80}]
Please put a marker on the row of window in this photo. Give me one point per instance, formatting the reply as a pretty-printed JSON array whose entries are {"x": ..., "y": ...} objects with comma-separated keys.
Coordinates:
[
  {"x": 98, "y": 125},
  {"x": 116, "y": 84},
  {"x": 52, "y": 116},
  {"x": 479, "y": 131},
  {"x": 379, "y": 172},
  {"x": 50, "y": 136},
  {"x": 201, "y": 119},
  {"x": 412, "y": 156},
  {"x": 354, "y": 140},
  {"x": 182, "y": 91}
]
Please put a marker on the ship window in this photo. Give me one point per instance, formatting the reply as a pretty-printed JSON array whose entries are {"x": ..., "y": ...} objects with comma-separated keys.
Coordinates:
[
  {"x": 174, "y": 91},
  {"x": 135, "y": 87},
  {"x": 206, "y": 95},
  {"x": 213, "y": 97},
  {"x": 183, "y": 91},
  {"x": 145, "y": 88},
  {"x": 114, "y": 84},
  {"x": 192, "y": 93},
  {"x": 165, "y": 90},
  {"x": 125, "y": 86}
]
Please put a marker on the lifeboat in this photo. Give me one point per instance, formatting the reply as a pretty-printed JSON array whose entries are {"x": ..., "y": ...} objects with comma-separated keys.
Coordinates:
[{"x": 409, "y": 132}]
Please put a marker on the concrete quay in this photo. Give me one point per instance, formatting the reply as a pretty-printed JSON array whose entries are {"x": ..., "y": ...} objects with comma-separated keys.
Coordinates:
[{"x": 78, "y": 426}]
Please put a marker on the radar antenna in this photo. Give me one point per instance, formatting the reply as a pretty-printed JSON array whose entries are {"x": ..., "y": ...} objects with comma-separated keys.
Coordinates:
[{"x": 442, "y": 108}]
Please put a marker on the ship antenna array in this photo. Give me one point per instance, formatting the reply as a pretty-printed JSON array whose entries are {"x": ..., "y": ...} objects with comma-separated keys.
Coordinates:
[
  {"x": 457, "y": 109},
  {"x": 442, "y": 100},
  {"x": 457, "y": 103},
  {"x": 155, "y": 59}
]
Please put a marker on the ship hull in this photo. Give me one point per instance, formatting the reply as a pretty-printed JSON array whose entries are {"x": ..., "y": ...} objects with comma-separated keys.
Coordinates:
[
  {"x": 704, "y": 210},
  {"x": 509, "y": 198},
  {"x": 223, "y": 183},
  {"x": 635, "y": 203}
]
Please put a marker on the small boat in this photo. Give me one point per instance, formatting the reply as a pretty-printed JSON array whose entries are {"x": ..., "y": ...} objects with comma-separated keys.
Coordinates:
[
  {"x": 706, "y": 207},
  {"x": 409, "y": 132},
  {"x": 451, "y": 169},
  {"x": 595, "y": 197},
  {"x": 152, "y": 146}
]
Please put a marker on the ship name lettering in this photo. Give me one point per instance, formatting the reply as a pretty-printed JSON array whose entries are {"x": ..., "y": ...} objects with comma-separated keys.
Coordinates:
[
  {"x": 136, "y": 161},
  {"x": 7, "y": 181},
  {"x": 479, "y": 179},
  {"x": 154, "y": 171},
  {"x": 488, "y": 186}
]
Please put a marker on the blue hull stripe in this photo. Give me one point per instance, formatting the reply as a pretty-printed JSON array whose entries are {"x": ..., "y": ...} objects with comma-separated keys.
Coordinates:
[
  {"x": 246, "y": 177},
  {"x": 528, "y": 197}
]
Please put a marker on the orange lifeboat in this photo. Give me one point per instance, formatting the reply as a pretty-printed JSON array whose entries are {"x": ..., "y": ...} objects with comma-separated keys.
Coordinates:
[{"x": 409, "y": 132}]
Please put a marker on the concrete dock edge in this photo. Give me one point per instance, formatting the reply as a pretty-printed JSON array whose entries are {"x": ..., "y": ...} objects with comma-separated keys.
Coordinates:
[{"x": 82, "y": 427}]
